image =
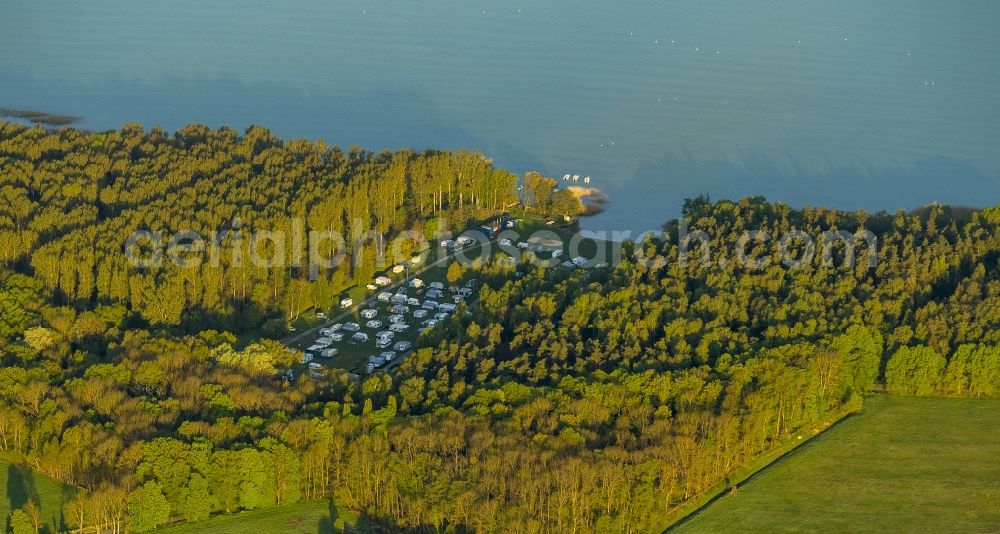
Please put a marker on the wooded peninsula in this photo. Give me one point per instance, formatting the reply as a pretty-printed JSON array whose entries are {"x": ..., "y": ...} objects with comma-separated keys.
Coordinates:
[{"x": 567, "y": 400}]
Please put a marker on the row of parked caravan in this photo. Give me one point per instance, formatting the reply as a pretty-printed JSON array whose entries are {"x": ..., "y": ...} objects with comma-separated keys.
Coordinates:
[
  {"x": 436, "y": 291},
  {"x": 430, "y": 311}
]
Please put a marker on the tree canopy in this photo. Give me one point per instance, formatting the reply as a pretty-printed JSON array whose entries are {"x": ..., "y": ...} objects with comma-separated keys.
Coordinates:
[{"x": 578, "y": 400}]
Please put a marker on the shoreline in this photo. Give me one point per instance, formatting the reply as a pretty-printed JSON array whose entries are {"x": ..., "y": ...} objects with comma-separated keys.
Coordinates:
[{"x": 40, "y": 117}]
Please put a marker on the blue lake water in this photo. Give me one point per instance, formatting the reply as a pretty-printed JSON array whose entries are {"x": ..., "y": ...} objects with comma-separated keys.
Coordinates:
[{"x": 854, "y": 103}]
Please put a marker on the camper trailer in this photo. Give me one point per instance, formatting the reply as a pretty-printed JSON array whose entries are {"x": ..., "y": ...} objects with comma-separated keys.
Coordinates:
[{"x": 328, "y": 331}]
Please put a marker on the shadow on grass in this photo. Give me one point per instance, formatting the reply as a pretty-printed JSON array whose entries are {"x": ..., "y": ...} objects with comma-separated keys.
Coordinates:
[
  {"x": 336, "y": 524},
  {"x": 21, "y": 489}
]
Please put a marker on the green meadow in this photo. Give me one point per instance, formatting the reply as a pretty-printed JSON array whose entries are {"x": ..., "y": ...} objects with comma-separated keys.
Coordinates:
[
  {"x": 901, "y": 465},
  {"x": 20, "y": 484}
]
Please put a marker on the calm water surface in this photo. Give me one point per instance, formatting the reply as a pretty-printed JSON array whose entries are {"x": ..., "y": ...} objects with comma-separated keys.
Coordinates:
[{"x": 854, "y": 103}]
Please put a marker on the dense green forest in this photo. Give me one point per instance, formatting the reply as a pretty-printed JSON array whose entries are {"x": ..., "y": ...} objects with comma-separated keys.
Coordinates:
[
  {"x": 72, "y": 199},
  {"x": 588, "y": 400}
]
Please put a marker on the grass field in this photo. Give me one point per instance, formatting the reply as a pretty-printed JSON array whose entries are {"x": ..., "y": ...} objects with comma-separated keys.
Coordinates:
[
  {"x": 311, "y": 517},
  {"x": 902, "y": 465},
  {"x": 20, "y": 484}
]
